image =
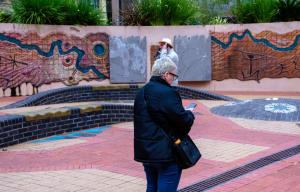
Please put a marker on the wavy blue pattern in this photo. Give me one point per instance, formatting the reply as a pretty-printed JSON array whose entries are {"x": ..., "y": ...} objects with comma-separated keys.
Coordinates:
[
  {"x": 57, "y": 43},
  {"x": 264, "y": 41},
  {"x": 74, "y": 135}
]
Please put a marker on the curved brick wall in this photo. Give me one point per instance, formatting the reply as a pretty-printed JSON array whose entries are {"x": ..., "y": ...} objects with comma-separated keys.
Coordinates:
[
  {"x": 78, "y": 94},
  {"x": 103, "y": 93},
  {"x": 189, "y": 93},
  {"x": 28, "y": 126},
  {"x": 16, "y": 129}
]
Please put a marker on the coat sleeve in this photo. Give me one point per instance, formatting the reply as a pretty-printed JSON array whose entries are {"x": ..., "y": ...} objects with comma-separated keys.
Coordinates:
[{"x": 179, "y": 118}]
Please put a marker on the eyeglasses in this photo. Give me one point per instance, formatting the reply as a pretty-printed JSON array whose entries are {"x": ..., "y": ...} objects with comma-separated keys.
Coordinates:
[{"x": 174, "y": 76}]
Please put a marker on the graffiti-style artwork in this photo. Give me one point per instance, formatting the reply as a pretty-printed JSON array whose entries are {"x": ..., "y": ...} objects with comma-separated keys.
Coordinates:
[
  {"x": 247, "y": 56},
  {"x": 55, "y": 58}
]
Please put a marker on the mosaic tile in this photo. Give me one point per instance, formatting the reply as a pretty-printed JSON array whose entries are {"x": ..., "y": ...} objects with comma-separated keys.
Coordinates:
[{"x": 277, "y": 109}]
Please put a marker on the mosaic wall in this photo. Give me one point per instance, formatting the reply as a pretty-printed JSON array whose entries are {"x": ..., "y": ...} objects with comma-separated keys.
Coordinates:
[
  {"x": 31, "y": 59},
  {"x": 153, "y": 52},
  {"x": 246, "y": 56},
  {"x": 128, "y": 59},
  {"x": 28, "y": 60}
]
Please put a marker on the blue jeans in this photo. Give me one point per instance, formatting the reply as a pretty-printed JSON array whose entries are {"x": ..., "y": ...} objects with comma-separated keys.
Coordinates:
[{"x": 162, "y": 177}]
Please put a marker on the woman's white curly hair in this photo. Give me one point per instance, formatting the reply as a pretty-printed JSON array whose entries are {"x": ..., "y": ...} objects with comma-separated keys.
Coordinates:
[{"x": 163, "y": 65}]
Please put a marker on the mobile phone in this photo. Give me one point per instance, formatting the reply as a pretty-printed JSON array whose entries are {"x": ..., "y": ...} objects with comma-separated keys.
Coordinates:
[{"x": 191, "y": 106}]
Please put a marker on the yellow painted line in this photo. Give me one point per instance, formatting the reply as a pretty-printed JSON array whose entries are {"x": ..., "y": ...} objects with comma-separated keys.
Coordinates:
[
  {"x": 114, "y": 87},
  {"x": 110, "y": 87},
  {"x": 47, "y": 115},
  {"x": 89, "y": 109}
]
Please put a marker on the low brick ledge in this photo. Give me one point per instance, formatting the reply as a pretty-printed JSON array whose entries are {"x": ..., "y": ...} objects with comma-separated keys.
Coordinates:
[
  {"x": 104, "y": 93},
  {"x": 15, "y": 129}
]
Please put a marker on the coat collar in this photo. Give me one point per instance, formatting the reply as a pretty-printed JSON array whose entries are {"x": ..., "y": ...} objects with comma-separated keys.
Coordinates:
[{"x": 160, "y": 80}]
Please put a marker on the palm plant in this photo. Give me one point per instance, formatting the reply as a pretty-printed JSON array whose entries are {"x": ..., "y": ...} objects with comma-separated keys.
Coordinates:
[
  {"x": 161, "y": 12},
  {"x": 56, "y": 12},
  {"x": 178, "y": 12},
  {"x": 150, "y": 12},
  {"x": 37, "y": 11},
  {"x": 218, "y": 21},
  {"x": 5, "y": 16},
  {"x": 265, "y": 10},
  {"x": 212, "y": 9},
  {"x": 288, "y": 10},
  {"x": 244, "y": 13},
  {"x": 81, "y": 12},
  {"x": 255, "y": 11}
]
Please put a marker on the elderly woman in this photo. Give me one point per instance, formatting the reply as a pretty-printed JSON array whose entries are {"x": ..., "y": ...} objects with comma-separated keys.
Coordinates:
[
  {"x": 159, "y": 115},
  {"x": 166, "y": 49}
]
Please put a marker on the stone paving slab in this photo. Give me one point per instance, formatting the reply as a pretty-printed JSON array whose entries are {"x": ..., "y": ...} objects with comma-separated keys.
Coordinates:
[
  {"x": 9, "y": 100},
  {"x": 277, "y": 177},
  {"x": 70, "y": 180},
  {"x": 269, "y": 126},
  {"x": 111, "y": 152},
  {"x": 225, "y": 151},
  {"x": 30, "y": 146}
]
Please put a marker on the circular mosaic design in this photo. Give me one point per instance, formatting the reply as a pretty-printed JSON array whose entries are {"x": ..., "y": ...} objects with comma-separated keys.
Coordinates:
[
  {"x": 238, "y": 103},
  {"x": 274, "y": 99},
  {"x": 99, "y": 49},
  {"x": 280, "y": 108},
  {"x": 270, "y": 109}
]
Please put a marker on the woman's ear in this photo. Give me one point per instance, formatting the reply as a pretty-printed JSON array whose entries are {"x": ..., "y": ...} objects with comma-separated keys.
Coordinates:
[{"x": 164, "y": 76}]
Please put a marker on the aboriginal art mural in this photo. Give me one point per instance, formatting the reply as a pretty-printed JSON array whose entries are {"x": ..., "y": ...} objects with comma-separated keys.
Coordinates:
[
  {"x": 246, "y": 56},
  {"x": 31, "y": 59},
  {"x": 153, "y": 51}
]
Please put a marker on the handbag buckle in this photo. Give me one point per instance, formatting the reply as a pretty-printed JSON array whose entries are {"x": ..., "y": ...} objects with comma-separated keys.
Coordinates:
[{"x": 177, "y": 142}]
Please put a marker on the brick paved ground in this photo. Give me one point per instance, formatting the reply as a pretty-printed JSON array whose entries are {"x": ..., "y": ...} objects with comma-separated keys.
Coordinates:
[
  {"x": 8, "y": 100},
  {"x": 104, "y": 162}
]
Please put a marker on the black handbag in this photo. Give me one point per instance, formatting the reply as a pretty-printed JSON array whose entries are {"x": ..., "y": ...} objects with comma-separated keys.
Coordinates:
[{"x": 185, "y": 151}]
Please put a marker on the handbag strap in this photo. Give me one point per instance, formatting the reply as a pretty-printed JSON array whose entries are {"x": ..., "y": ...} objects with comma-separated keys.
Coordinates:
[{"x": 171, "y": 137}]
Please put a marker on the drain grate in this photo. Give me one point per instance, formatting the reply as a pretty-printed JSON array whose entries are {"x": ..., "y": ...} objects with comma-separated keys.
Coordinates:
[{"x": 237, "y": 172}]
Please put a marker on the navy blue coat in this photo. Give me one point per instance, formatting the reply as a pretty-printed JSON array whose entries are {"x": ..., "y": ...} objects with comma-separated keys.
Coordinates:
[{"x": 158, "y": 106}]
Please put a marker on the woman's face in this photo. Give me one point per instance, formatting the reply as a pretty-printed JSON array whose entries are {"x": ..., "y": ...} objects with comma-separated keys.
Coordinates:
[
  {"x": 171, "y": 76},
  {"x": 162, "y": 45}
]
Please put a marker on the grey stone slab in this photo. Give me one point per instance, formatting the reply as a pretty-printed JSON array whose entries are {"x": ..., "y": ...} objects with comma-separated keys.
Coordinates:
[
  {"x": 194, "y": 54},
  {"x": 128, "y": 59}
]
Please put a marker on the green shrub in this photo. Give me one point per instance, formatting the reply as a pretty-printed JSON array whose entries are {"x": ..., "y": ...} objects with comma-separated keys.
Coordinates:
[
  {"x": 244, "y": 12},
  {"x": 5, "y": 16},
  {"x": 178, "y": 12},
  {"x": 161, "y": 12},
  {"x": 255, "y": 11},
  {"x": 149, "y": 12},
  {"x": 37, "y": 11},
  {"x": 70, "y": 12},
  {"x": 218, "y": 21},
  {"x": 212, "y": 9},
  {"x": 288, "y": 10},
  {"x": 81, "y": 12}
]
